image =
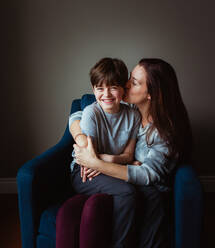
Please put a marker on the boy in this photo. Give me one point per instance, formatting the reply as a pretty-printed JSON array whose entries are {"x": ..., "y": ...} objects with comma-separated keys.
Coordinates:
[{"x": 113, "y": 127}]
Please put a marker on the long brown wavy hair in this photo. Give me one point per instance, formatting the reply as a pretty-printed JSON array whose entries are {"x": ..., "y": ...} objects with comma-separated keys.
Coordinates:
[{"x": 167, "y": 109}]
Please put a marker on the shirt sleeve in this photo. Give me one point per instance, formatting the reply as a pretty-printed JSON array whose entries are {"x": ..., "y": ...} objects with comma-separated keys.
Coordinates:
[
  {"x": 88, "y": 122},
  {"x": 75, "y": 116},
  {"x": 154, "y": 168}
]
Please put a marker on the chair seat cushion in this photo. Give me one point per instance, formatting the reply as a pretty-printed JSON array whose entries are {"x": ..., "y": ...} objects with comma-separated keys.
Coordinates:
[{"x": 47, "y": 225}]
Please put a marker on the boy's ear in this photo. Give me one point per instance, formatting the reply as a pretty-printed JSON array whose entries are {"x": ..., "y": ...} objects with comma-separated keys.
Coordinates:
[{"x": 149, "y": 97}]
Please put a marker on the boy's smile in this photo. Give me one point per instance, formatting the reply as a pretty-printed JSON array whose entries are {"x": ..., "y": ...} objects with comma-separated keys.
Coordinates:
[{"x": 109, "y": 97}]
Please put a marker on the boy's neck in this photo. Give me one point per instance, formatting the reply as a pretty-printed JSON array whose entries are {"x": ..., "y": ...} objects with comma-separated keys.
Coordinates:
[{"x": 112, "y": 111}]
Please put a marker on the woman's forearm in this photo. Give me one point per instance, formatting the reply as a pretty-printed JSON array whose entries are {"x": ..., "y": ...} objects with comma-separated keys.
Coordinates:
[{"x": 78, "y": 136}]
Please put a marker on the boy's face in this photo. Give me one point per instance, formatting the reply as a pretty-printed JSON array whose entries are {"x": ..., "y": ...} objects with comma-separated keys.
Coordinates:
[{"x": 108, "y": 97}]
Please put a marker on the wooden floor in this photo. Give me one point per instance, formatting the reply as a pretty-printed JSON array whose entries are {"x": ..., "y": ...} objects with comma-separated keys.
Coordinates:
[{"x": 10, "y": 231}]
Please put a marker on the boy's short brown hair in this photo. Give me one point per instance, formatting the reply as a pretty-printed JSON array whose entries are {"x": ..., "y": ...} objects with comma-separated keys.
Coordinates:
[{"x": 109, "y": 71}]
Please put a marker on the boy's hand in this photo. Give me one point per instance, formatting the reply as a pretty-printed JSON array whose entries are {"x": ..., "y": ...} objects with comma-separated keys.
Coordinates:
[{"x": 136, "y": 162}]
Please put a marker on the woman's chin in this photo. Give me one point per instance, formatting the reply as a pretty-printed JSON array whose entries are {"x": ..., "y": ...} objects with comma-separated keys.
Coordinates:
[{"x": 125, "y": 99}]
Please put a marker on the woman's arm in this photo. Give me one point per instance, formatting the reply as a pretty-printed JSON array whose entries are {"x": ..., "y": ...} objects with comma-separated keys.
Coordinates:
[
  {"x": 155, "y": 166},
  {"x": 81, "y": 140},
  {"x": 78, "y": 136}
]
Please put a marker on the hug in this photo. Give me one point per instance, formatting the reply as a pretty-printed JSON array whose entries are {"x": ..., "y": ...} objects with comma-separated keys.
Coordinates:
[{"x": 130, "y": 141}]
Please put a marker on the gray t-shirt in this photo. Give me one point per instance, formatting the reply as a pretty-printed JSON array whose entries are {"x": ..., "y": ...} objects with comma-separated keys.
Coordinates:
[{"x": 110, "y": 132}]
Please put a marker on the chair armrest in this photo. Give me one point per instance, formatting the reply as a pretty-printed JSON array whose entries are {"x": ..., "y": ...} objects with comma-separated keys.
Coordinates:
[
  {"x": 41, "y": 182},
  {"x": 188, "y": 208}
]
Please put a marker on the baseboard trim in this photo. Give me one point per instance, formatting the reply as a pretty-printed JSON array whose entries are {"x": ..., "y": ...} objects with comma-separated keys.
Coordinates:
[
  {"x": 208, "y": 183},
  {"x": 9, "y": 185}
]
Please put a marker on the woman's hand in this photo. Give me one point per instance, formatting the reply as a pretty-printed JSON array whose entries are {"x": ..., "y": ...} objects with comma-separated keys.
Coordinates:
[
  {"x": 87, "y": 173},
  {"x": 86, "y": 156},
  {"x": 90, "y": 173}
]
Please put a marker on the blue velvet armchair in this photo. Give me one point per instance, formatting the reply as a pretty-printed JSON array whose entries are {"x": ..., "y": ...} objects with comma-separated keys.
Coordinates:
[{"x": 43, "y": 185}]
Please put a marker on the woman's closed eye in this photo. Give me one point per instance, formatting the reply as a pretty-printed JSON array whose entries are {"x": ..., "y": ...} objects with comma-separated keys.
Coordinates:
[{"x": 134, "y": 82}]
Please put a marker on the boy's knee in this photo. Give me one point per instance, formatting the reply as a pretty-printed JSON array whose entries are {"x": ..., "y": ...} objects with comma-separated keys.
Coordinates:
[{"x": 126, "y": 189}]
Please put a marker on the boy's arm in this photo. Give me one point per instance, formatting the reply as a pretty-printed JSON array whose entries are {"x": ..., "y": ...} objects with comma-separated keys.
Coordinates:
[{"x": 124, "y": 158}]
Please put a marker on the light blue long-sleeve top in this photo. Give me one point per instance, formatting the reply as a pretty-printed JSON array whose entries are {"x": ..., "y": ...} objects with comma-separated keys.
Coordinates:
[{"x": 155, "y": 167}]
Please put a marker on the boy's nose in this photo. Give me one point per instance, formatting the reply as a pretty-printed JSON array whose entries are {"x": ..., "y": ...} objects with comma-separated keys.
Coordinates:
[{"x": 107, "y": 92}]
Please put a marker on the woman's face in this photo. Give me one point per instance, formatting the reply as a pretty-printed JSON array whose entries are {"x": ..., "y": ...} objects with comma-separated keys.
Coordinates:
[{"x": 136, "y": 87}]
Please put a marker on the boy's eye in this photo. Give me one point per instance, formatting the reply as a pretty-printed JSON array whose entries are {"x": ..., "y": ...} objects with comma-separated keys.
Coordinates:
[
  {"x": 99, "y": 89},
  {"x": 114, "y": 87}
]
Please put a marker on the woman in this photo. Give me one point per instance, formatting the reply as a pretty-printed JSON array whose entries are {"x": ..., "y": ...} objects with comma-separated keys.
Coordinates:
[{"x": 164, "y": 140}]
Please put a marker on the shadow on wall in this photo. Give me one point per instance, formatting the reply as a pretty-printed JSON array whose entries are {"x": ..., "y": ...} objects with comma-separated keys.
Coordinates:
[
  {"x": 204, "y": 148},
  {"x": 15, "y": 142}
]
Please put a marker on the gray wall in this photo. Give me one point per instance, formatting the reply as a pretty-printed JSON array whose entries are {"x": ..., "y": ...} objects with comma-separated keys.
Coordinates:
[{"x": 48, "y": 48}]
